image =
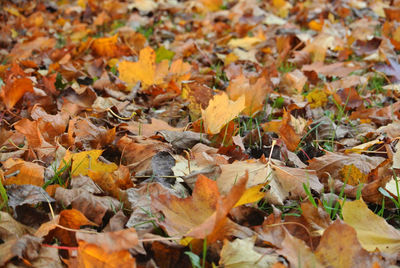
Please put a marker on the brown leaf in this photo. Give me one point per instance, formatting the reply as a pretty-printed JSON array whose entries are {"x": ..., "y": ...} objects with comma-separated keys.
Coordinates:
[
  {"x": 254, "y": 93},
  {"x": 12, "y": 229},
  {"x": 148, "y": 130},
  {"x": 26, "y": 247},
  {"x": 332, "y": 163},
  {"x": 112, "y": 241},
  {"x": 25, "y": 173},
  {"x": 32, "y": 133},
  {"x": 137, "y": 152},
  {"x": 93, "y": 207}
]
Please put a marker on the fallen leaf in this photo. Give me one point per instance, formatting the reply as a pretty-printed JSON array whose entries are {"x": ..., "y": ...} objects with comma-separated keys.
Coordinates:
[
  {"x": 91, "y": 256},
  {"x": 111, "y": 241},
  {"x": 92, "y": 206},
  {"x": 106, "y": 46},
  {"x": 144, "y": 70},
  {"x": 26, "y": 247},
  {"x": 138, "y": 151},
  {"x": 241, "y": 253},
  {"x": 24, "y": 173},
  {"x": 201, "y": 214},
  {"x": 332, "y": 163},
  {"x": 12, "y": 229},
  {"x": 298, "y": 253},
  {"x": 84, "y": 161},
  {"x": 148, "y": 130},
  {"x": 339, "y": 248},
  {"x": 255, "y": 94},
  {"x": 373, "y": 231},
  {"x": 71, "y": 219},
  {"x": 220, "y": 111},
  {"x": 19, "y": 195},
  {"x": 30, "y": 129},
  {"x": 13, "y": 91}
]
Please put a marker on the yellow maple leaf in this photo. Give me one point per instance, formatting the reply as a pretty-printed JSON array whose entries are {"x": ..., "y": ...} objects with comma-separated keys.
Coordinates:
[
  {"x": 144, "y": 70},
  {"x": 84, "y": 161},
  {"x": 220, "y": 111}
]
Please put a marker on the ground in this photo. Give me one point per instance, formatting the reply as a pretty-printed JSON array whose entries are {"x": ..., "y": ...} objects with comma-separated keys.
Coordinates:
[{"x": 199, "y": 133}]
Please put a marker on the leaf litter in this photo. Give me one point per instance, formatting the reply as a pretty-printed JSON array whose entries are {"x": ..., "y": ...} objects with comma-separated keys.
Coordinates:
[{"x": 199, "y": 133}]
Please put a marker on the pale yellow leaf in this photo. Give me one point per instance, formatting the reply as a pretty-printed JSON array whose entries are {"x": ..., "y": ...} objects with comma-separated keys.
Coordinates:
[
  {"x": 221, "y": 111},
  {"x": 373, "y": 231}
]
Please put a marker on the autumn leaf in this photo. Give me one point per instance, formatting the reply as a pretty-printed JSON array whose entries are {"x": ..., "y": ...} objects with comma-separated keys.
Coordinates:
[
  {"x": 240, "y": 253},
  {"x": 332, "y": 163},
  {"x": 106, "y": 46},
  {"x": 255, "y": 94},
  {"x": 26, "y": 173},
  {"x": 339, "y": 247},
  {"x": 84, "y": 161},
  {"x": 220, "y": 111},
  {"x": 202, "y": 213},
  {"x": 107, "y": 249},
  {"x": 13, "y": 91},
  {"x": 285, "y": 130},
  {"x": 373, "y": 231},
  {"x": 144, "y": 70}
]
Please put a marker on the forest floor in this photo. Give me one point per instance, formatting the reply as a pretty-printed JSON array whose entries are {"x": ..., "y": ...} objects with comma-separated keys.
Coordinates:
[{"x": 144, "y": 133}]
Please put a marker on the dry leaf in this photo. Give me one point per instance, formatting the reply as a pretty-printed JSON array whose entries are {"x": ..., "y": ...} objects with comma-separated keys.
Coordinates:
[
  {"x": 373, "y": 231},
  {"x": 240, "y": 253},
  {"x": 221, "y": 111},
  {"x": 84, "y": 161},
  {"x": 144, "y": 70},
  {"x": 255, "y": 94}
]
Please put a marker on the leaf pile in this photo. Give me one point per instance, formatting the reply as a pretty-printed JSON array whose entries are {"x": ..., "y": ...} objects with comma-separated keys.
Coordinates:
[{"x": 144, "y": 133}]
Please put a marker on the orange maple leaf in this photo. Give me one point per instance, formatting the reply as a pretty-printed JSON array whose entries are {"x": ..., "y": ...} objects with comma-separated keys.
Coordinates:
[{"x": 201, "y": 215}]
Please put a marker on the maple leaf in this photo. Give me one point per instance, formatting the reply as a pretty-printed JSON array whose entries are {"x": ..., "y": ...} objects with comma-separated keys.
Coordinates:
[
  {"x": 106, "y": 46},
  {"x": 144, "y": 70},
  {"x": 220, "y": 111},
  {"x": 201, "y": 214},
  {"x": 84, "y": 161},
  {"x": 255, "y": 94}
]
